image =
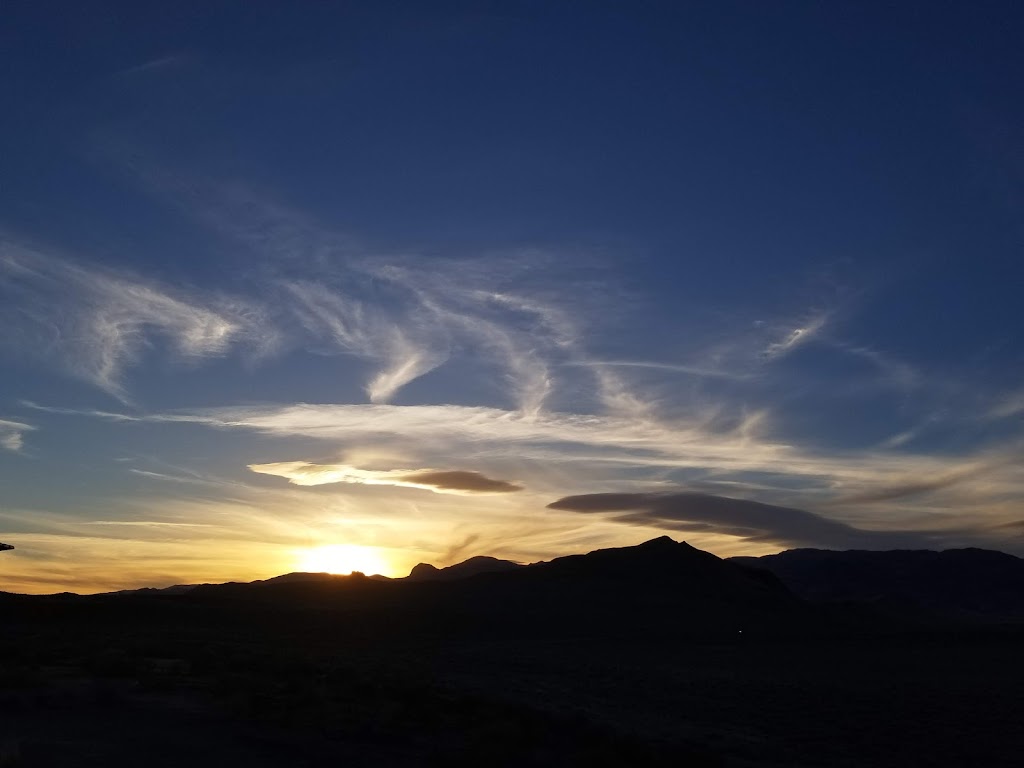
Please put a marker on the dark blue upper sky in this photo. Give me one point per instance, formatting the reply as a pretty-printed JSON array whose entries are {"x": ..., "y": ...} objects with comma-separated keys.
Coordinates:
[{"x": 797, "y": 225}]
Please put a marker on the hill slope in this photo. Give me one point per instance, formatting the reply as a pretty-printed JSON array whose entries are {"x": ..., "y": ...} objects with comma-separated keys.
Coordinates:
[{"x": 964, "y": 582}]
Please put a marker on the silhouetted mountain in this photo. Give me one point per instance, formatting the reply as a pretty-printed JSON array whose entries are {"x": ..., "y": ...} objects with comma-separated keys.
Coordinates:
[
  {"x": 661, "y": 587},
  {"x": 471, "y": 567},
  {"x": 297, "y": 576},
  {"x": 655, "y": 655},
  {"x": 5, "y": 547},
  {"x": 176, "y": 589},
  {"x": 954, "y": 582}
]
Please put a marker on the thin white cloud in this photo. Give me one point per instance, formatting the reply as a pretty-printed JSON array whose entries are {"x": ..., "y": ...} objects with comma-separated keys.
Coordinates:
[
  {"x": 793, "y": 338},
  {"x": 491, "y": 324},
  {"x": 459, "y": 482},
  {"x": 894, "y": 372},
  {"x": 158, "y": 65},
  {"x": 1008, "y": 407},
  {"x": 187, "y": 479},
  {"x": 95, "y": 324},
  {"x": 12, "y": 434},
  {"x": 588, "y": 439},
  {"x": 406, "y": 316},
  {"x": 555, "y": 410},
  {"x": 370, "y": 331},
  {"x": 148, "y": 523},
  {"x": 690, "y": 370}
]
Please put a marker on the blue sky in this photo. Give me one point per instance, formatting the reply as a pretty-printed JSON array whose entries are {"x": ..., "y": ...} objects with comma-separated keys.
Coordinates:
[{"x": 428, "y": 280}]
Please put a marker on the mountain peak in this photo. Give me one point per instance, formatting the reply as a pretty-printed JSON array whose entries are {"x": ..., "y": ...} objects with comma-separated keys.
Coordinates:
[
  {"x": 423, "y": 571},
  {"x": 470, "y": 567},
  {"x": 661, "y": 542}
]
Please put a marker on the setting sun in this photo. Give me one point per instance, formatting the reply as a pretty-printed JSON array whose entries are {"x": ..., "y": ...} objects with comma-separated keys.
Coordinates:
[{"x": 343, "y": 558}]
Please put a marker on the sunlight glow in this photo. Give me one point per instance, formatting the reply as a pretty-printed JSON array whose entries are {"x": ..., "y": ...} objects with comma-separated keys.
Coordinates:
[{"x": 343, "y": 558}]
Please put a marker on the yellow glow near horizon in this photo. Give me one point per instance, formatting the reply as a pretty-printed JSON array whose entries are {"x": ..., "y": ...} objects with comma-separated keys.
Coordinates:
[{"x": 344, "y": 558}]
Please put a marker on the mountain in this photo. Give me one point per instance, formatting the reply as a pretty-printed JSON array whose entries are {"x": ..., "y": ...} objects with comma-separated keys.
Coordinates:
[
  {"x": 956, "y": 582},
  {"x": 653, "y": 655},
  {"x": 471, "y": 567},
  {"x": 5, "y": 547},
  {"x": 661, "y": 587}
]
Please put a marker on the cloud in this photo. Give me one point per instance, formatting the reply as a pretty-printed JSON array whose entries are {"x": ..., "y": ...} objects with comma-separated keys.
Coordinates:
[
  {"x": 175, "y": 478},
  {"x": 1009, "y": 406},
  {"x": 439, "y": 481},
  {"x": 913, "y": 486},
  {"x": 405, "y": 314},
  {"x": 546, "y": 404},
  {"x": 149, "y": 523},
  {"x": 161, "y": 64},
  {"x": 751, "y": 520},
  {"x": 733, "y": 449},
  {"x": 95, "y": 323},
  {"x": 521, "y": 335},
  {"x": 894, "y": 373},
  {"x": 795, "y": 337},
  {"x": 460, "y": 481},
  {"x": 689, "y": 370},
  {"x": 369, "y": 330},
  {"x": 12, "y": 434},
  {"x": 456, "y": 550}
]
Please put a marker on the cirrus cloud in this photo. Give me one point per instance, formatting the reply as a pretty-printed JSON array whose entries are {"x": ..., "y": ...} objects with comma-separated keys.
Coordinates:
[
  {"x": 95, "y": 323},
  {"x": 12, "y": 434}
]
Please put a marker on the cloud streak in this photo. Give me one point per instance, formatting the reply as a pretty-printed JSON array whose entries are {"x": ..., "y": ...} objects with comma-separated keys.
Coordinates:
[
  {"x": 795, "y": 337},
  {"x": 95, "y": 324},
  {"x": 547, "y": 406},
  {"x": 436, "y": 480},
  {"x": 750, "y": 520},
  {"x": 356, "y": 327},
  {"x": 726, "y": 449},
  {"x": 12, "y": 435}
]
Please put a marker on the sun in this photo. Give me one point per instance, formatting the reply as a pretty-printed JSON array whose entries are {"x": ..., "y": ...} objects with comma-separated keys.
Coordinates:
[{"x": 343, "y": 558}]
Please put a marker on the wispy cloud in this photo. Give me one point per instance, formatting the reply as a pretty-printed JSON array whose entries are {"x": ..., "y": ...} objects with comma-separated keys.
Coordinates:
[
  {"x": 12, "y": 434},
  {"x": 149, "y": 523},
  {"x": 793, "y": 338},
  {"x": 894, "y": 373},
  {"x": 437, "y": 480},
  {"x": 405, "y": 314},
  {"x": 1008, "y": 406},
  {"x": 548, "y": 408},
  {"x": 630, "y": 450},
  {"x": 95, "y": 324},
  {"x": 394, "y": 337},
  {"x": 689, "y": 370},
  {"x": 459, "y": 548}
]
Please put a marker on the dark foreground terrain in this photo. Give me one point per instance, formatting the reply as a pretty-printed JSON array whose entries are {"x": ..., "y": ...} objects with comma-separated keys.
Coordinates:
[{"x": 652, "y": 655}]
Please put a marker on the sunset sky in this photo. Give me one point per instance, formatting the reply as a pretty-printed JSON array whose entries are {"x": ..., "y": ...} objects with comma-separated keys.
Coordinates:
[{"x": 322, "y": 286}]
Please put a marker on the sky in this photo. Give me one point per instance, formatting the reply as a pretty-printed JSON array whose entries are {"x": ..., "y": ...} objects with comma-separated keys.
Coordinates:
[{"x": 356, "y": 285}]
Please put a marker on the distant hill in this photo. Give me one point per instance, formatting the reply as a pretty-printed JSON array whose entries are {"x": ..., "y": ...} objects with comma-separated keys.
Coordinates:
[
  {"x": 421, "y": 572},
  {"x": 957, "y": 582},
  {"x": 653, "y": 655},
  {"x": 471, "y": 567},
  {"x": 5, "y": 547},
  {"x": 660, "y": 586}
]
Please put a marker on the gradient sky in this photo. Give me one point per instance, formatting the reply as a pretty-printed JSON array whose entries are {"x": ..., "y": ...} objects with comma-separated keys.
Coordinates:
[{"x": 367, "y": 284}]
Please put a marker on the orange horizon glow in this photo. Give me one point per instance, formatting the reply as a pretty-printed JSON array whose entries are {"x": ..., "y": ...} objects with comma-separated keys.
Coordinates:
[{"x": 344, "y": 559}]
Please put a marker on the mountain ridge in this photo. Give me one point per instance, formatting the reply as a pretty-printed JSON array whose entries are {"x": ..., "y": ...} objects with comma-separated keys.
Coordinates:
[{"x": 962, "y": 583}]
